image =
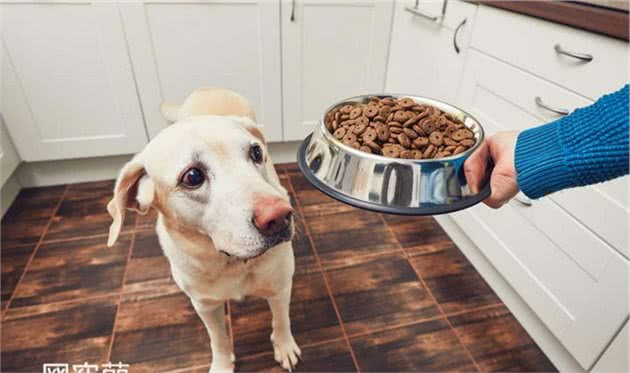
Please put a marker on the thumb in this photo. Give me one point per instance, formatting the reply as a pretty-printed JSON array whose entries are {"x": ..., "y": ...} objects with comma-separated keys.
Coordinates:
[
  {"x": 503, "y": 189},
  {"x": 475, "y": 168}
]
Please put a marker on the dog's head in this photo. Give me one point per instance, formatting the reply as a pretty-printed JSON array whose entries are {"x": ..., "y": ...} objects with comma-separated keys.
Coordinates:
[{"x": 210, "y": 177}]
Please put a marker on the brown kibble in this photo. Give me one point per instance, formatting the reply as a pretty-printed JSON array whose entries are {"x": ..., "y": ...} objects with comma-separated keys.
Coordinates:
[
  {"x": 339, "y": 133},
  {"x": 391, "y": 152},
  {"x": 407, "y": 102},
  {"x": 359, "y": 129},
  {"x": 404, "y": 140},
  {"x": 369, "y": 135},
  {"x": 421, "y": 141},
  {"x": 436, "y": 138},
  {"x": 394, "y": 124},
  {"x": 371, "y": 111},
  {"x": 387, "y": 101},
  {"x": 467, "y": 142},
  {"x": 410, "y": 122},
  {"x": 365, "y": 148},
  {"x": 356, "y": 145},
  {"x": 459, "y": 149},
  {"x": 374, "y": 146},
  {"x": 449, "y": 142},
  {"x": 348, "y": 122},
  {"x": 400, "y": 116},
  {"x": 395, "y": 130},
  {"x": 349, "y": 138},
  {"x": 378, "y": 118},
  {"x": 356, "y": 112},
  {"x": 362, "y": 120},
  {"x": 418, "y": 130},
  {"x": 406, "y": 154},
  {"x": 417, "y": 154},
  {"x": 429, "y": 151},
  {"x": 410, "y": 133},
  {"x": 462, "y": 134},
  {"x": 382, "y": 133},
  {"x": 346, "y": 109}
]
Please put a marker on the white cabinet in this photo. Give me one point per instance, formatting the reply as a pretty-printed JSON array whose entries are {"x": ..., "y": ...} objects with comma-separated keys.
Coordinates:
[
  {"x": 571, "y": 272},
  {"x": 616, "y": 359},
  {"x": 67, "y": 84},
  {"x": 9, "y": 159},
  {"x": 177, "y": 47},
  {"x": 330, "y": 51},
  {"x": 423, "y": 59}
]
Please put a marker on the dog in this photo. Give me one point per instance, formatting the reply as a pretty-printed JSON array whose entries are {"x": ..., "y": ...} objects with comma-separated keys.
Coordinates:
[{"x": 224, "y": 220}]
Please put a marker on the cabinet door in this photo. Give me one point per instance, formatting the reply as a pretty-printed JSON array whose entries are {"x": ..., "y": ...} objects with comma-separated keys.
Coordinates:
[
  {"x": 423, "y": 60},
  {"x": 330, "y": 51},
  {"x": 67, "y": 85},
  {"x": 9, "y": 159},
  {"x": 177, "y": 47},
  {"x": 568, "y": 270}
]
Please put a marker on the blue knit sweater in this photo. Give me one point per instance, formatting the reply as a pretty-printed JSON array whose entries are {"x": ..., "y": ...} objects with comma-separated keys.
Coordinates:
[{"x": 585, "y": 147}]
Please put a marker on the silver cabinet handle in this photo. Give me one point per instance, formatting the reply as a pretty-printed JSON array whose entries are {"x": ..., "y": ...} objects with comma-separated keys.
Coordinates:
[
  {"x": 416, "y": 12},
  {"x": 580, "y": 56},
  {"x": 292, "y": 11},
  {"x": 541, "y": 104},
  {"x": 455, "y": 35},
  {"x": 523, "y": 200}
]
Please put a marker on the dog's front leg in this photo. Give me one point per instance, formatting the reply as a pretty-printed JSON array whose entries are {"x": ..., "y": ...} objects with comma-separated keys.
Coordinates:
[
  {"x": 285, "y": 350},
  {"x": 213, "y": 317}
]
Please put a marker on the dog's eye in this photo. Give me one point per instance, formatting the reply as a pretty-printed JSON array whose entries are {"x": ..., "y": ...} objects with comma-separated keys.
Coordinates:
[
  {"x": 192, "y": 178},
  {"x": 256, "y": 153}
]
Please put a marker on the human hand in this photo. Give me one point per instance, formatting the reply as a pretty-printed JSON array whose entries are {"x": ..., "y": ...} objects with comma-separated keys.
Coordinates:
[{"x": 500, "y": 147}]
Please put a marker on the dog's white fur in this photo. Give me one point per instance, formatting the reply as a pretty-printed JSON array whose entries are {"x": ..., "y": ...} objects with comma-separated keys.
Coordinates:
[{"x": 198, "y": 228}]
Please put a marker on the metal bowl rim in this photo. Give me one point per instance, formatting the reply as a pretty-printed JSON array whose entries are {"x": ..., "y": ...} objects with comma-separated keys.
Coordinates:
[{"x": 331, "y": 138}]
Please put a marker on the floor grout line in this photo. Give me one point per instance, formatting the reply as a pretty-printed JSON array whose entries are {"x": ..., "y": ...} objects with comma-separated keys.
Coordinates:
[
  {"x": 325, "y": 278},
  {"x": 229, "y": 324},
  {"x": 424, "y": 284},
  {"x": 122, "y": 287},
  {"x": 30, "y": 259},
  {"x": 87, "y": 237}
]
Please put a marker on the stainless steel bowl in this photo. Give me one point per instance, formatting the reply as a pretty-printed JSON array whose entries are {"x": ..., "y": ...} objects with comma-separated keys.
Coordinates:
[{"x": 394, "y": 186}]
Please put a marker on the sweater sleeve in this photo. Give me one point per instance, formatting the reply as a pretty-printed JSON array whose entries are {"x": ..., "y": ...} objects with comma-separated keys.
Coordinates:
[{"x": 585, "y": 147}]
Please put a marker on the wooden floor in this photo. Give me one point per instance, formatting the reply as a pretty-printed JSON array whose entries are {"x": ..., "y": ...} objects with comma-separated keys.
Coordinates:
[{"x": 371, "y": 293}]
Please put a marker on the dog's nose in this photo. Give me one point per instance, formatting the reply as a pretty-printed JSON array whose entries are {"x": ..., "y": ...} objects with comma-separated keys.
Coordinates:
[{"x": 271, "y": 215}]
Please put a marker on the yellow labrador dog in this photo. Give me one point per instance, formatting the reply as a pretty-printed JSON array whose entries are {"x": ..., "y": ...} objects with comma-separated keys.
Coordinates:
[{"x": 225, "y": 222}]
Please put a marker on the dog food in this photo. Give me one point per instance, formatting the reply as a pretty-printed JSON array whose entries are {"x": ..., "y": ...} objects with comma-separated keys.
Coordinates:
[{"x": 399, "y": 128}]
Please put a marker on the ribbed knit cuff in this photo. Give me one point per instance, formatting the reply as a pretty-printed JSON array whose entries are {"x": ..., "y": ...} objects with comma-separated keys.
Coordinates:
[{"x": 540, "y": 161}]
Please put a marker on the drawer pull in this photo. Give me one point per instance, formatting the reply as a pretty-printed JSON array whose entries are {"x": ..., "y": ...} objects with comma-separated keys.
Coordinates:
[
  {"x": 455, "y": 35},
  {"x": 580, "y": 56},
  {"x": 523, "y": 200},
  {"x": 417, "y": 12},
  {"x": 559, "y": 111}
]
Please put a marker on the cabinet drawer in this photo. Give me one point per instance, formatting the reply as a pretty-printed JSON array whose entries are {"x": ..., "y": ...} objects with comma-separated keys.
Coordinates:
[
  {"x": 529, "y": 43},
  {"x": 583, "y": 304},
  {"x": 503, "y": 97}
]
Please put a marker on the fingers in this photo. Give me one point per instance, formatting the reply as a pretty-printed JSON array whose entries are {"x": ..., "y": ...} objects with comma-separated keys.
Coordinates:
[
  {"x": 475, "y": 168},
  {"x": 503, "y": 187}
]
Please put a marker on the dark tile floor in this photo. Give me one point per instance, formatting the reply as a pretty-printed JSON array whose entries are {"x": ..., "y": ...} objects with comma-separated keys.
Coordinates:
[{"x": 371, "y": 293}]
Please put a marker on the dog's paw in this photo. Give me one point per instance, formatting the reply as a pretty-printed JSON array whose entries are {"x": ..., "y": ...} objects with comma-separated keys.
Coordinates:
[
  {"x": 222, "y": 364},
  {"x": 286, "y": 351}
]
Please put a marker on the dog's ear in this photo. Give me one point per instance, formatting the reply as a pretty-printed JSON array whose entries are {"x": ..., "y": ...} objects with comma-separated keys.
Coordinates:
[
  {"x": 134, "y": 190},
  {"x": 170, "y": 112}
]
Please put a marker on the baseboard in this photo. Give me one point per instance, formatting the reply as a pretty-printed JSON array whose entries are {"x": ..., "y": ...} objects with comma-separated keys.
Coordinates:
[
  {"x": 550, "y": 345},
  {"x": 9, "y": 191},
  {"x": 284, "y": 152},
  {"x": 35, "y": 174}
]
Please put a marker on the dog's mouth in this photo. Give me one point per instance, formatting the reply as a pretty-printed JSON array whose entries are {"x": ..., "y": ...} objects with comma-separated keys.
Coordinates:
[{"x": 267, "y": 243}]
